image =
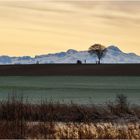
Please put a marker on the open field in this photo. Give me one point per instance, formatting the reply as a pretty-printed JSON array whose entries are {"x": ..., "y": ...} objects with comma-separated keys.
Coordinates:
[
  {"x": 70, "y": 69},
  {"x": 79, "y": 89}
]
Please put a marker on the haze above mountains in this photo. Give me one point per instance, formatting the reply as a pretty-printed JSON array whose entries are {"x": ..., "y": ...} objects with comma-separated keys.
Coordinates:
[
  {"x": 113, "y": 55},
  {"x": 28, "y": 26}
]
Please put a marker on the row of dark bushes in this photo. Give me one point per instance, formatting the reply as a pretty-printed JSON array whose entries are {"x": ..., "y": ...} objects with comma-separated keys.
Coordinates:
[{"x": 16, "y": 108}]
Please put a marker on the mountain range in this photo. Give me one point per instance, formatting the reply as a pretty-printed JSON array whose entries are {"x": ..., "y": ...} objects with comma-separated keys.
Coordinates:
[{"x": 113, "y": 55}]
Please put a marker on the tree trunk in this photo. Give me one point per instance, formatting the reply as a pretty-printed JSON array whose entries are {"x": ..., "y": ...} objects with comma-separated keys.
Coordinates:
[{"x": 99, "y": 62}]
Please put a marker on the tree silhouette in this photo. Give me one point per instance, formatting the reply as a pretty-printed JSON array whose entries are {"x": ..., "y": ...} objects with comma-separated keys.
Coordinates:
[{"x": 99, "y": 50}]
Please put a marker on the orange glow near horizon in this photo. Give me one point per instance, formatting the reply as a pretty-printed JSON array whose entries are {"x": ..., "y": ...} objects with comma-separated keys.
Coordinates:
[{"x": 34, "y": 27}]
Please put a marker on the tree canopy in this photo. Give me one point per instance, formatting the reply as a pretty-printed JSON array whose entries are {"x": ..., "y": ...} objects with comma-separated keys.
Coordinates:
[{"x": 99, "y": 50}]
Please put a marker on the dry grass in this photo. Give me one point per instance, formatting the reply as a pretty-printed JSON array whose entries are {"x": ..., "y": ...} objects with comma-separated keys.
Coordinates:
[
  {"x": 97, "y": 131},
  {"x": 84, "y": 131},
  {"x": 47, "y": 130},
  {"x": 17, "y": 109},
  {"x": 118, "y": 120}
]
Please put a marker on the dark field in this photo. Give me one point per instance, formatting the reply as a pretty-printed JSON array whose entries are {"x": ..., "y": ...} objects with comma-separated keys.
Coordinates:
[
  {"x": 71, "y": 69},
  {"x": 80, "y": 83}
]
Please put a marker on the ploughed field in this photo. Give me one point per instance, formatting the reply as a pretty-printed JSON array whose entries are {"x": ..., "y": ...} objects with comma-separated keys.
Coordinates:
[
  {"x": 78, "y": 89},
  {"x": 70, "y": 69}
]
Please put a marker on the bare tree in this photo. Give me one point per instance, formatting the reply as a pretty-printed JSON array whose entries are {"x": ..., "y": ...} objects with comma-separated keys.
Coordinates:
[
  {"x": 99, "y": 50},
  {"x": 122, "y": 103}
]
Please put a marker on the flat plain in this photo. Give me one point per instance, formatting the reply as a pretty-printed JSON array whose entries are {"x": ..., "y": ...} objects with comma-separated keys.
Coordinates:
[{"x": 78, "y": 89}]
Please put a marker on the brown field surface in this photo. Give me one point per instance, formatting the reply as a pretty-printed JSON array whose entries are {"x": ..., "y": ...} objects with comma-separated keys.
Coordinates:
[{"x": 70, "y": 69}]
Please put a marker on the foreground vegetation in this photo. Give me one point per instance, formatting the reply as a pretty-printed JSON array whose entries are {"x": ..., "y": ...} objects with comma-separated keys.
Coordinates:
[
  {"x": 21, "y": 119},
  {"x": 47, "y": 130}
]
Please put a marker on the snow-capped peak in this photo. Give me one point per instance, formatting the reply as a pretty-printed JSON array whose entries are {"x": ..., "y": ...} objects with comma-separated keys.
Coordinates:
[
  {"x": 113, "y": 55},
  {"x": 71, "y": 51},
  {"x": 114, "y": 48}
]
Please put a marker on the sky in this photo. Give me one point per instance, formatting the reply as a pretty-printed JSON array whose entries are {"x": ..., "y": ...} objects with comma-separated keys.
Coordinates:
[{"x": 34, "y": 27}]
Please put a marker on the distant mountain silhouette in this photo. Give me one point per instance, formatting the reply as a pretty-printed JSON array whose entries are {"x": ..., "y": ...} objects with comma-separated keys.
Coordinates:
[{"x": 114, "y": 55}]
